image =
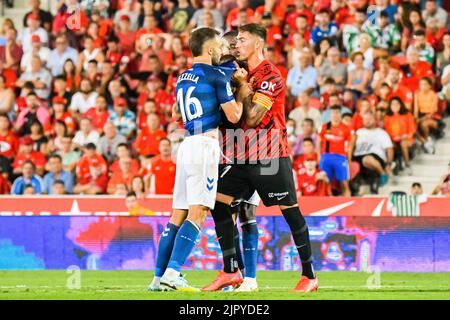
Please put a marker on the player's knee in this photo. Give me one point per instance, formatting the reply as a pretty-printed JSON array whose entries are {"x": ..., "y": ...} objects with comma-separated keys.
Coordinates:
[
  {"x": 222, "y": 213},
  {"x": 223, "y": 198},
  {"x": 197, "y": 214},
  {"x": 178, "y": 216},
  {"x": 247, "y": 213}
]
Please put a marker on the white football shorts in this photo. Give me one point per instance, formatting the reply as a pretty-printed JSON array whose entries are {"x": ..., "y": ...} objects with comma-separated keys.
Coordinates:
[{"x": 197, "y": 172}]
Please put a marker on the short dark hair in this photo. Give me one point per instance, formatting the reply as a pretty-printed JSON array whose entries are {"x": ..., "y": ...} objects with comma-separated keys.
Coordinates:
[
  {"x": 131, "y": 194},
  {"x": 347, "y": 114},
  {"x": 198, "y": 39},
  {"x": 123, "y": 144},
  {"x": 336, "y": 107},
  {"x": 30, "y": 163},
  {"x": 165, "y": 139},
  {"x": 255, "y": 29},
  {"x": 309, "y": 120},
  {"x": 308, "y": 140},
  {"x": 58, "y": 181},
  {"x": 232, "y": 33},
  {"x": 427, "y": 80},
  {"x": 90, "y": 146},
  {"x": 419, "y": 32},
  {"x": 55, "y": 156},
  {"x": 416, "y": 184}
]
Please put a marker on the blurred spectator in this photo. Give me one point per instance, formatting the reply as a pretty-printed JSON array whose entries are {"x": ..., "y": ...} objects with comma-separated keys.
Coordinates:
[
  {"x": 384, "y": 35},
  {"x": 162, "y": 171},
  {"x": 26, "y": 153},
  {"x": 59, "y": 131},
  {"x": 45, "y": 17},
  {"x": 274, "y": 34},
  {"x": 55, "y": 173},
  {"x": 133, "y": 206},
  {"x": 123, "y": 176},
  {"x": 308, "y": 131},
  {"x": 40, "y": 141},
  {"x": 372, "y": 148},
  {"x": 303, "y": 111},
  {"x": 443, "y": 186},
  {"x": 123, "y": 119},
  {"x": 69, "y": 157},
  {"x": 445, "y": 81},
  {"x": 60, "y": 114},
  {"x": 37, "y": 48},
  {"x": 33, "y": 28},
  {"x": 232, "y": 22},
  {"x": 333, "y": 138},
  {"x": 126, "y": 35},
  {"x": 138, "y": 186},
  {"x": 290, "y": 130},
  {"x": 414, "y": 22},
  {"x": 208, "y": 6},
  {"x": 415, "y": 69},
  {"x": 58, "y": 188},
  {"x": 426, "y": 105},
  {"x": 6, "y": 97},
  {"x": 416, "y": 189},
  {"x": 400, "y": 125},
  {"x": 303, "y": 76},
  {"x": 128, "y": 14},
  {"x": 363, "y": 106},
  {"x": 5, "y": 187},
  {"x": 123, "y": 152},
  {"x": 443, "y": 57},
  {"x": 84, "y": 99},
  {"x": 89, "y": 53},
  {"x": 425, "y": 51},
  {"x": 311, "y": 181},
  {"x": 86, "y": 134},
  {"x": 352, "y": 31},
  {"x": 60, "y": 54},
  {"x": 28, "y": 178},
  {"x": 108, "y": 143},
  {"x": 433, "y": 11},
  {"x": 335, "y": 101},
  {"x": 29, "y": 190},
  {"x": 10, "y": 55},
  {"x": 398, "y": 89},
  {"x": 9, "y": 143},
  {"x": 98, "y": 114},
  {"x": 324, "y": 27},
  {"x": 181, "y": 15},
  {"x": 147, "y": 141},
  {"x": 359, "y": 77},
  {"x": 332, "y": 68},
  {"x": 380, "y": 75},
  {"x": 347, "y": 119},
  {"x": 91, "y": 172},
  {"x": 39, "y": 75},
  {"x": 176, "y": 135}
]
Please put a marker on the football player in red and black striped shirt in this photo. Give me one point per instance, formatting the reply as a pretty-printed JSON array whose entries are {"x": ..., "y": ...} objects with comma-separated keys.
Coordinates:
[{"x": 262, "y": 158}]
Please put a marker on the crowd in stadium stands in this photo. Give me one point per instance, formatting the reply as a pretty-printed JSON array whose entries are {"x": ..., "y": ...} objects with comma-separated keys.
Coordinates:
[{"x": 86, "y": 95}]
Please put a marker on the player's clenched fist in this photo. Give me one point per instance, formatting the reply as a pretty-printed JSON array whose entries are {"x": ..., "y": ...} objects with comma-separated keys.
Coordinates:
[{"x": 240, "y": 76}]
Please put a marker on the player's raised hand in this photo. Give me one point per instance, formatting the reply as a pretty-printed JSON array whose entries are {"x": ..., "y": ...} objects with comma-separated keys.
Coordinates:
[{"x": 240, "y": 75}]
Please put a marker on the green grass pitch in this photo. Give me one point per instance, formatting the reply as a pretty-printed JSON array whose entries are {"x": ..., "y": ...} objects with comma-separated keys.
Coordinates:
[{"x": 273, "y": 285}]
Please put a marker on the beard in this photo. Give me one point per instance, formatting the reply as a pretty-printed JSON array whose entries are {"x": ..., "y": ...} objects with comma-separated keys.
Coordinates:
[{"x": 215, "y": 60}]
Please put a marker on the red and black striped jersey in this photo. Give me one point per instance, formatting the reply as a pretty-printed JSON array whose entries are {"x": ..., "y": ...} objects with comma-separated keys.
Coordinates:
[{"x": 269, "y": 139}]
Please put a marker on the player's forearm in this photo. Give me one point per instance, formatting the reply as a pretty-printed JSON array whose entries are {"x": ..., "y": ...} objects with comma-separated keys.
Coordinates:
[{"x": 176, "y": 115}]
